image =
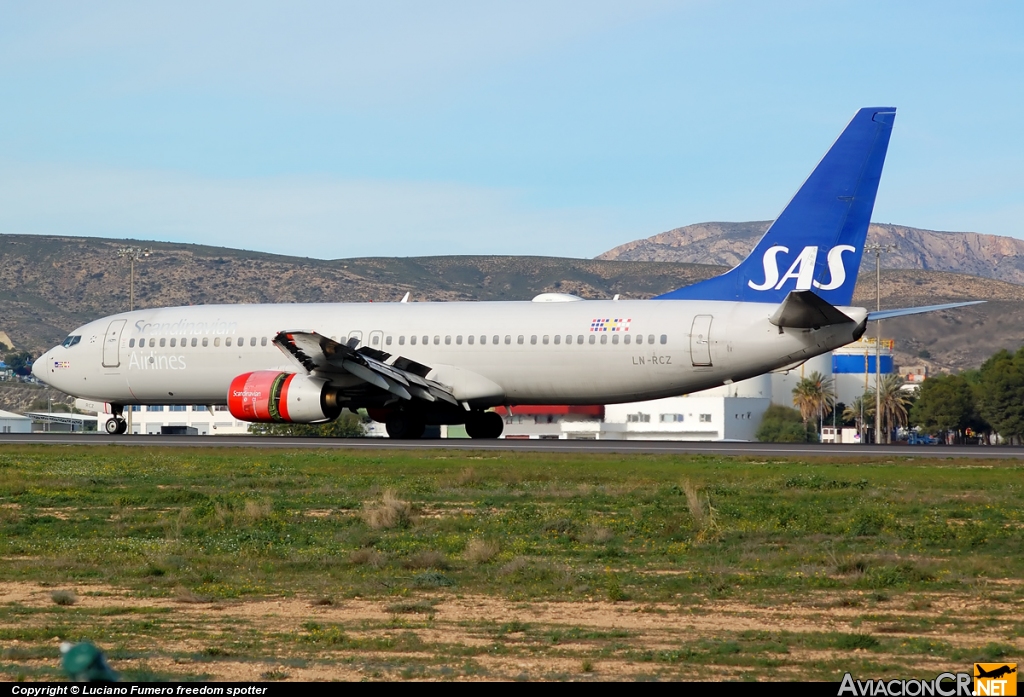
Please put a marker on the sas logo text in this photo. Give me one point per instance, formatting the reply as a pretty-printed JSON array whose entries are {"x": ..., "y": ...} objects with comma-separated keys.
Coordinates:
[
  {"x": 995, "y": 679},
  {"x": 802, "y": 269}
]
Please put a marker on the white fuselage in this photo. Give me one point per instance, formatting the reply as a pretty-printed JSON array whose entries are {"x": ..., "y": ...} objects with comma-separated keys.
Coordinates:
[{"x": 674, "y": 347}]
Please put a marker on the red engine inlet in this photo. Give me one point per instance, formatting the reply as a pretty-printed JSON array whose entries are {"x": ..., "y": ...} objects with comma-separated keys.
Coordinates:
[{"x": 269, "y": 396}]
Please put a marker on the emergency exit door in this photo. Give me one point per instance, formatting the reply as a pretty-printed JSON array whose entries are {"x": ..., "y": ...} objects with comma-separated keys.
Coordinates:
[
  {"x": 112, "y": 344},
  {"x": 700, "y": 340}
]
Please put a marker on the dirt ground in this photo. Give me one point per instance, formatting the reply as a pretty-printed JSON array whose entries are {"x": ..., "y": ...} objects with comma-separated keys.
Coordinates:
[{"x": 505, "y": 639}]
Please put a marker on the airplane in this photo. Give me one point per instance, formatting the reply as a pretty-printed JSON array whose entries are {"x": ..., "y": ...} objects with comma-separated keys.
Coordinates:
[{"x": 414, "y": 364}]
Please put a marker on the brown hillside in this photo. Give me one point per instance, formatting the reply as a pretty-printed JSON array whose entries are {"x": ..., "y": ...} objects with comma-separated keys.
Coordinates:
[
  {"x": 50, "y": 285},
  {"x": 726, "y": 244}
]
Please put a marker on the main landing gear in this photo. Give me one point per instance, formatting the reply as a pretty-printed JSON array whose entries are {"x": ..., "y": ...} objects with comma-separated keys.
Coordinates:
[
  {"x": 410, "y": 425},
  {"x": 116, "y": 425}
]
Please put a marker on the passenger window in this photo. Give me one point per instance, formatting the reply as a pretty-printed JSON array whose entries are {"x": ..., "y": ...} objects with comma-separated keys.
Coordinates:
[
  {"x": 470, "y": 339},
  {"x": 604, "y": 338},
  {"x": 437, "y": 339},
  {"x": 216, "y": 342},
  {"x": 426, "y": 340},
  {"x": 508, "y": 339},
  {"x": 650, "y": 338},
  {"x": 412, "y": 340},
  {"x": 163, "y": 342},
  {"x": 664, "y": 338},
  {"x": 131, "y": 343},
  {"x": 615, "y": 338},
  {"x": 252, "y": 341},
  {"x": 173, "y": 342},
  {"x": 558, "y": 339},
  {"x": 639, "y": 338},
  {"x": 458, "y": 339},
  {"x": 195, "y": 342},
  {"x": 227, "y": 341},
  {"x": 495, "y": 339},
  {"x": 387, "y": 341},
  {"x": 263, "y": 341},
  {"x": 533, "y": 339},
  {"x": 447, "y": 340},
  {"x": 545, "y": 340},
  {"x": 519, "y": 340},
  {"x": 206, "y": 342},
  {"x": 374, "y": 339},
  {"x": 592, "y": 338},
  {"x": 401, "y": 340},
  {"x": 579, "y": 339},
  {"x": 625, "y": 340}
]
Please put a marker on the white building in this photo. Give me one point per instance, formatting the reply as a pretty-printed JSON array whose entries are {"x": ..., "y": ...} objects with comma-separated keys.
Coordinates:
[
  {"x": 150, "y": 419},
  {"x": 14, "y": 423}
]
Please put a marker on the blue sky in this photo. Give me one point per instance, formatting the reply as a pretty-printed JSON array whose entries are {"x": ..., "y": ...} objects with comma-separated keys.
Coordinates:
[{"x": 335, "y": 129}]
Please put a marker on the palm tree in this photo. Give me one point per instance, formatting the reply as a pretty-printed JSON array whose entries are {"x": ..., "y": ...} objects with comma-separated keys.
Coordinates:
[
  {"x": 895, "y": 401},
  {"x": 814, "y": 396},
  {"x": 860, "y": 409}
]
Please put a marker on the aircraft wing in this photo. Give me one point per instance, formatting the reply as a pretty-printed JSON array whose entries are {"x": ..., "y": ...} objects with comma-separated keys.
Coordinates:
[{"x": 402, "y": 377}]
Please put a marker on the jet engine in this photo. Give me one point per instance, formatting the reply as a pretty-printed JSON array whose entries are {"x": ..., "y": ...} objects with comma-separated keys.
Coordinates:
[{"x": 269, "y": 396}]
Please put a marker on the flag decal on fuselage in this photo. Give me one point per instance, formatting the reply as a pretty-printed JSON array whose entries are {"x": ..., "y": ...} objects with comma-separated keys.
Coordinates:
[{"x": 610, "y": 325}]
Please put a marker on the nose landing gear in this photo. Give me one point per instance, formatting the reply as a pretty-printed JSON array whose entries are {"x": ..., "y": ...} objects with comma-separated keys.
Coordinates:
[{"x": 116, "y": 425}]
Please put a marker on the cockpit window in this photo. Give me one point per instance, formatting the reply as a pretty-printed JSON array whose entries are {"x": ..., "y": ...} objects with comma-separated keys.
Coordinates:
[{"x": 71, "y": 341}]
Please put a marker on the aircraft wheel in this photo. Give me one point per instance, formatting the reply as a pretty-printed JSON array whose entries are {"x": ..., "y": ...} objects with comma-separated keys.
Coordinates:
[
  {"x": 122, "y": 426},
  {"x": 113, "y": 426},
  {"x": 486, "y": 425},
  {"x": 402, "y": 425}
]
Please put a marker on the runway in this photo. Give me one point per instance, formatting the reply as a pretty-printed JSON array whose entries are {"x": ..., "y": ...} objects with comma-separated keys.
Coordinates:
[{"x": 539, "y": 446}]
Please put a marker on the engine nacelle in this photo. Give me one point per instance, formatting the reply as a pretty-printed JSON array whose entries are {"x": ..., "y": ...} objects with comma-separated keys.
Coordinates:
[{"x": 269, "y": 396}]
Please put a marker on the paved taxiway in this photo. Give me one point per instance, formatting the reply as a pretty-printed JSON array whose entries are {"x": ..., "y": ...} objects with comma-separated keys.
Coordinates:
[{"x": 544, "y": 446}]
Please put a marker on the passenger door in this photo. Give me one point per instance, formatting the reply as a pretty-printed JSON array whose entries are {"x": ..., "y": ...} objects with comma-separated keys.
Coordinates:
[
  {"x": 700, "y": 340},
  {"x": 112, "y": 344}
]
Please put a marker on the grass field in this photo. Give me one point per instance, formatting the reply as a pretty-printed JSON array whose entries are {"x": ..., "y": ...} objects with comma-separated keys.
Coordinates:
[{"x": 244, "y": 564}]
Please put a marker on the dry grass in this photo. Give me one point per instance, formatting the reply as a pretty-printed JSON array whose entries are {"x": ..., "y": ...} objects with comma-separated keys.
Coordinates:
[
  {"x": 391, "y": 512},
  {"x": 184, "y": 595},
  {"x": 427, "y": 559},
  {"x": 257, "y": 510},
  {"x": 481, "y": 551},
  {"x": 596, "y": 535},
  {"x": 367, "y": 557},
  {"x": 704, "y": 515},
  {"x": 467, "y": 477}
]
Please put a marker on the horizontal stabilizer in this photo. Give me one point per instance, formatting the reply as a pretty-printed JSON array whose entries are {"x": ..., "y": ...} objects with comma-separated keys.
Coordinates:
[
  {"x": 886, "y": 314},
  {"x": 802, "y": 309}
]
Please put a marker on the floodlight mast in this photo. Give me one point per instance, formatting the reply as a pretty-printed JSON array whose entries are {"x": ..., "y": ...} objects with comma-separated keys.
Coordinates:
[
  {"x": 878, "y": 249},
  {"x": 133, "y": 254}
]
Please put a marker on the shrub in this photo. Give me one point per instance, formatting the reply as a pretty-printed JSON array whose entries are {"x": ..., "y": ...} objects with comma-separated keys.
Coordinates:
[
  {"x": 481, "y": 551},
  {"x": 64, "y": 598},
  {"x": 427, "y": 559},
  {"x": 367, "y": 557},
  {"x": 391, "y": 512},
  {"x": 784, "y": 425}
]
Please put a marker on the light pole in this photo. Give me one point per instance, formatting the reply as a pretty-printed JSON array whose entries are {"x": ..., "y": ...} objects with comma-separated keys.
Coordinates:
[
  {"x": 878, "y": 249},
  {"x": 133, "y": 254}
]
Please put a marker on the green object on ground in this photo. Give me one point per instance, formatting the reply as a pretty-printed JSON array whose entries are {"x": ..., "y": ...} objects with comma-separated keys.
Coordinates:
[{"x": 84, "y": 662}]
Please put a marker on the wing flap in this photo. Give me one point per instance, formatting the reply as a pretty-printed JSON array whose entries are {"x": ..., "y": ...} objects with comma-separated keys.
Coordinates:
[{"x": 402, "y": 377}]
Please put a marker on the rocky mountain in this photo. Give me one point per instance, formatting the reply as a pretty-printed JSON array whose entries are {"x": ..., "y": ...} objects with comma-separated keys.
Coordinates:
[{"x": 726, "y": 244}]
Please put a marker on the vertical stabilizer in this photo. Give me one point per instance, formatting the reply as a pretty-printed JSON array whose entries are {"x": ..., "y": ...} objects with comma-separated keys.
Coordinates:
[{"x": 817, "y": 241}]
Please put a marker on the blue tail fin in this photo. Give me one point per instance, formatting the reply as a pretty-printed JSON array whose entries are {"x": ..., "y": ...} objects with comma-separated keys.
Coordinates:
[{"x": 816, "y": 243}]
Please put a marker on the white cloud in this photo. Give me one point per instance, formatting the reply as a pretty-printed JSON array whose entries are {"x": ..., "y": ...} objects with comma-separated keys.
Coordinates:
[{"x": 317, "y": 217}]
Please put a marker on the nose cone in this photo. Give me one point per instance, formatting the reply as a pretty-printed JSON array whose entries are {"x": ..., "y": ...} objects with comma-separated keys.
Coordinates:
[{"x": 39, "y": 366}]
